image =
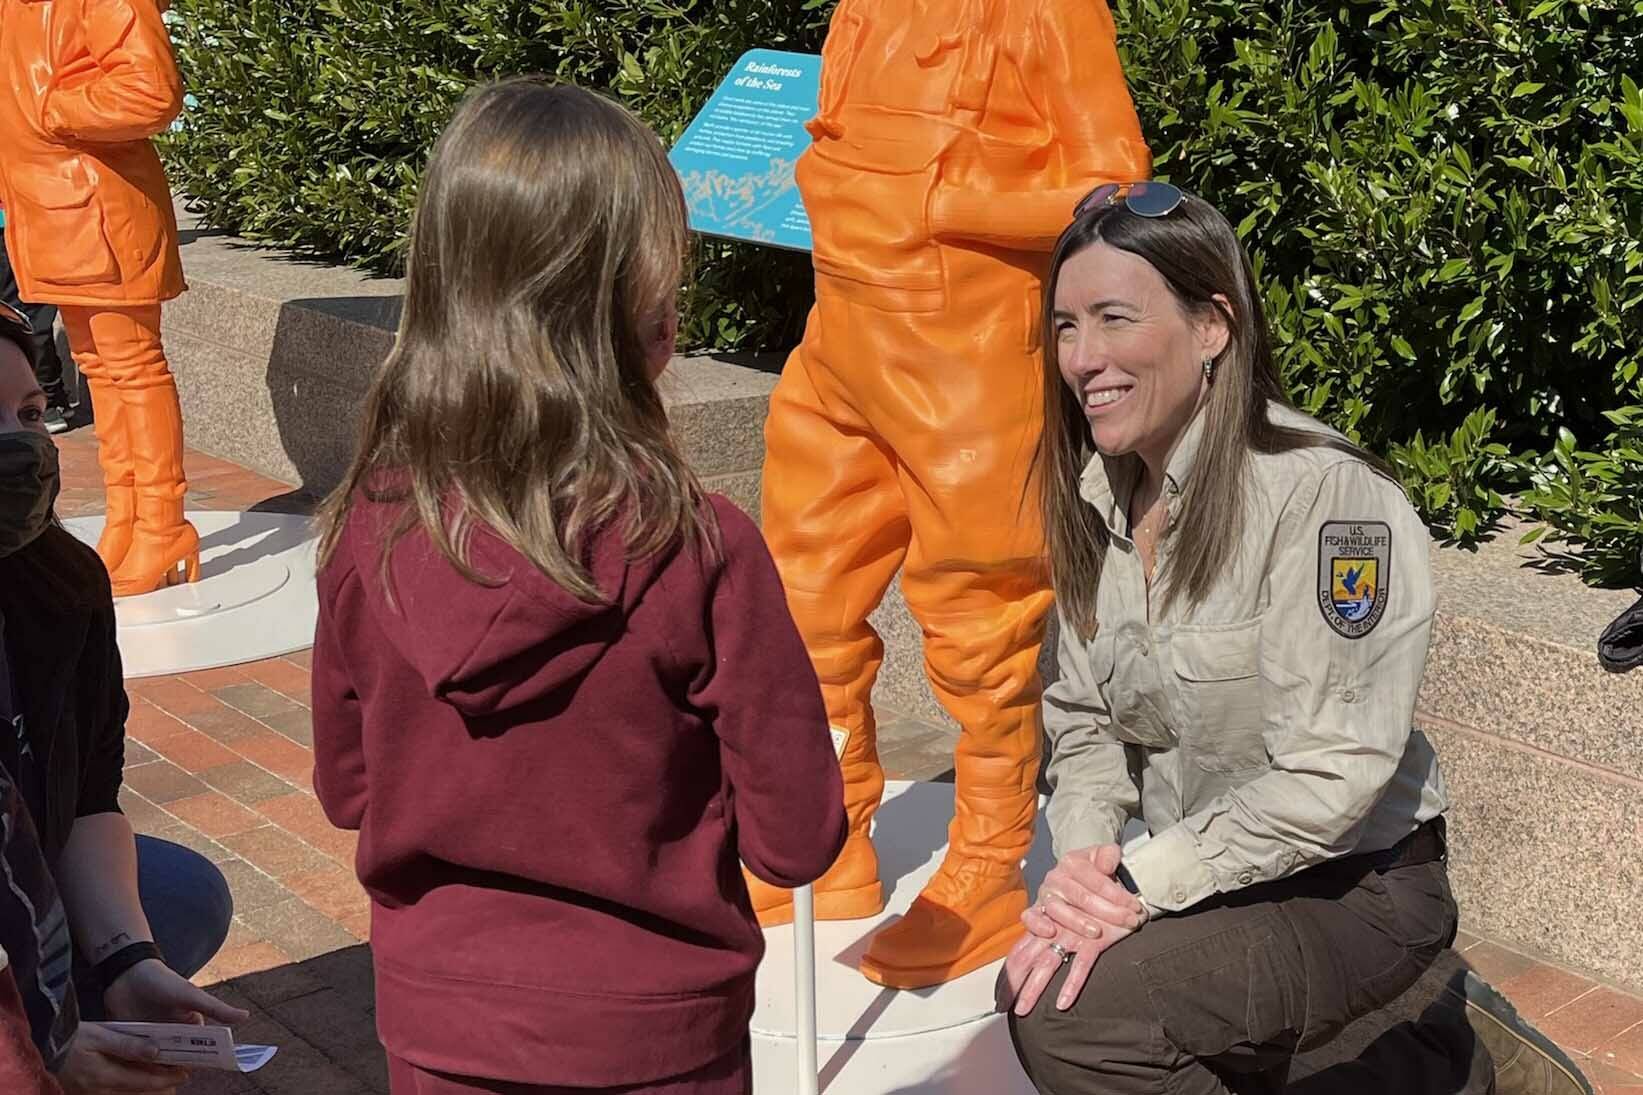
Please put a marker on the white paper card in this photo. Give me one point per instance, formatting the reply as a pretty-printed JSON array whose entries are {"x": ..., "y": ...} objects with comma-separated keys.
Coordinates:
[
  {"x": 198, "y": 1047},
  {"x": 839, "y": 738}
]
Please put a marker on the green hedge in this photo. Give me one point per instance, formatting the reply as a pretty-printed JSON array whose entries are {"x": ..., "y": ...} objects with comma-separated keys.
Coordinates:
[
  {"x": 309, "y": 120},
  {"x": 1444, "y": 197}
]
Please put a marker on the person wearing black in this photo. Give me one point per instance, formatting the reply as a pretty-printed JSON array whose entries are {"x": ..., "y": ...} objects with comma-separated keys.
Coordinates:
[
  {"x": 144, "y": 914},
  {"x": 39, "y": 342},
  {"x": 44, "y": 1047},
  {"x": 33, "y": 928}
]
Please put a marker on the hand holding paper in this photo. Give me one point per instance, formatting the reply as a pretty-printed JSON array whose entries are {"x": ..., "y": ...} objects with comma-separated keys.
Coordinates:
[{"x": 190, "y": 1046}]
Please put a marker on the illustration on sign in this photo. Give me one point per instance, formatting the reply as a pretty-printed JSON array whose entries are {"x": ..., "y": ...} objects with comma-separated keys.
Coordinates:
[{"x": 736, "y": 158}]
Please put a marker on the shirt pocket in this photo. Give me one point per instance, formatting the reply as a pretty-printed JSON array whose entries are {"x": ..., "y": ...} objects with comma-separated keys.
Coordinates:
[
  {"x": 1217, "y": 677},
  {"x": 1132, "y": 692},
  {"x": 1081, "y": 694}
]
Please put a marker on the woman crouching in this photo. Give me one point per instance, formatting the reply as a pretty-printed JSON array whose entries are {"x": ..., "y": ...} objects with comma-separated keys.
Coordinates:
[{"x": 1245, "y": 603}]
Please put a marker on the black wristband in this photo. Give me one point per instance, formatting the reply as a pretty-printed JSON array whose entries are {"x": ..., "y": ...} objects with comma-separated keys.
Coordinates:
[
  {"x": 1126, "y": 881},
  {"x": 110, "y": 968}
]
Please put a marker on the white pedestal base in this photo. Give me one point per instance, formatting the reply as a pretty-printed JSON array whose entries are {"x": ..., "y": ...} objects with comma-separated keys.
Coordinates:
[
  {"x": 255, "y": 598},
  {"x": 945, "y": 1040}
]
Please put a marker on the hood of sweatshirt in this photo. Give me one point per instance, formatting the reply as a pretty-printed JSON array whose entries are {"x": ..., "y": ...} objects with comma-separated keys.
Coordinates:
[{"x": 489, "y": 648}]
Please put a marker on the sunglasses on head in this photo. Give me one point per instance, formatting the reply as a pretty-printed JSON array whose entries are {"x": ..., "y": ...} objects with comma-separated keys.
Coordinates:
[{"x": 1144, "y": 199}]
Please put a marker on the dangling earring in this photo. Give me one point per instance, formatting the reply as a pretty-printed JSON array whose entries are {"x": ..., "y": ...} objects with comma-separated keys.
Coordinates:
[{"x": 1209, "y": 368}]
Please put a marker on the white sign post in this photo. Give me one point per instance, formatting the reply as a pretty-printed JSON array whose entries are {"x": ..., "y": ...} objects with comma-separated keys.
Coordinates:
[{"x": 804, "y": 978}]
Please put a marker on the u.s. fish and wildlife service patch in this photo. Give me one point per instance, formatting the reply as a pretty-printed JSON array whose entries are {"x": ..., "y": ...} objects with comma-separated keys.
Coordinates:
[{"x": 1354, "y": 569}]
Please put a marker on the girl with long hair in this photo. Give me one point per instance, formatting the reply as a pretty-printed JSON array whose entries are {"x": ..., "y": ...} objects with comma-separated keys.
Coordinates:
[{"x": 556, "y": 685}]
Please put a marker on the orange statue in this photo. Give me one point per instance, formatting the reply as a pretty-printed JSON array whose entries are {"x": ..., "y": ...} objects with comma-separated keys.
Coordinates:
[
  {"x": 84, "y": 84},
  {"x": 954, "y": 138}
]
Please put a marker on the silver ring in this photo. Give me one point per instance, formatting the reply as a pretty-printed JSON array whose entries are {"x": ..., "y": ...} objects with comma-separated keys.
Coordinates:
[{"x": 1060, "y": 950}]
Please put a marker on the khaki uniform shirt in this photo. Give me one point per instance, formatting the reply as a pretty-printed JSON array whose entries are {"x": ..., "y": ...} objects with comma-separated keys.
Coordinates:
[{"x": 1267, "y": 728}]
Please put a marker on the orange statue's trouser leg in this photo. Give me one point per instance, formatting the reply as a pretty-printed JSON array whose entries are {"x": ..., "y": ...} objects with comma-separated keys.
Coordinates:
[
  {"x": 903, "y": 439},
  {"x": 139, "y": 445},
  {"x": 833, "y": 514}
]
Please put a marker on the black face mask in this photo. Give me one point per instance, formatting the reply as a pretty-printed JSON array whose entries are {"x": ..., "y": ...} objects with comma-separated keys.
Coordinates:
[{"x": 28, "y": 488}]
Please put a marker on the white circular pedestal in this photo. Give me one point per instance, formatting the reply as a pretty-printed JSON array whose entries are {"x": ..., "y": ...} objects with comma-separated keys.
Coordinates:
[
  {"x": 945, "y": 1040},
  {"x": 255, "y": 598}
]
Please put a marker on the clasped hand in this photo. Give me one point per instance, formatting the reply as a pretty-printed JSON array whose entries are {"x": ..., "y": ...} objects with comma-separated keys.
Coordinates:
[{"x": 1082, "y": 910}]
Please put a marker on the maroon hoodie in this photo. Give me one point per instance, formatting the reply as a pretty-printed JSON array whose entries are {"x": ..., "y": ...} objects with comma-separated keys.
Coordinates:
[{"x": 552, "y": 797}]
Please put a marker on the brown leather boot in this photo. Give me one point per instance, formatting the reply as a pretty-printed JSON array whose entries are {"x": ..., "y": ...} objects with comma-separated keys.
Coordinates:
[
  {"x": 165, "y": 548},
  {"x": 969, "y": 914},
  {"x": 114, "y": 457},
  {"x": 850, "y": 890}
]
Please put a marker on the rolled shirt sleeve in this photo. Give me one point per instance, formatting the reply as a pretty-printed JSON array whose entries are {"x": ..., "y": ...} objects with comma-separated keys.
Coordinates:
[{"x": 1339, "y": 695}]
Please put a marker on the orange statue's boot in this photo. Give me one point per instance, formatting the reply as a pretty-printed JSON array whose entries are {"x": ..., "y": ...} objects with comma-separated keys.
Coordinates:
[
  {"x": 969, "y": 914},
  {"x": 140, "y": 443},
  {"x": 114, "y": 457},
  {"x": 850, "y": 890},
  {"x": 165, "y": 548}
]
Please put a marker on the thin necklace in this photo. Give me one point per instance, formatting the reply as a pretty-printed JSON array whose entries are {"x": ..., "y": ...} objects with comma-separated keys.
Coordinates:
[{"x": 1147, "y": 519}]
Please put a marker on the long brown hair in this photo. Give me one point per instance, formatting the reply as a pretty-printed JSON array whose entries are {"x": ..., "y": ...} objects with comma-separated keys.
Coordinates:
[
  {"x": 549, "y": 236},
  {"x": 1199, "y": 257}
]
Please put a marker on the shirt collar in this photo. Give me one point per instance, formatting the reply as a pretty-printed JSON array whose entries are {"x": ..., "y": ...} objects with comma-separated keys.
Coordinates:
[{"x": 1108, "y": 482}]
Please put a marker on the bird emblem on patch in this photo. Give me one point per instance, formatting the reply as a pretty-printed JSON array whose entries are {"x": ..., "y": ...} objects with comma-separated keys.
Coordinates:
[{"x": 1354, "y": 564}]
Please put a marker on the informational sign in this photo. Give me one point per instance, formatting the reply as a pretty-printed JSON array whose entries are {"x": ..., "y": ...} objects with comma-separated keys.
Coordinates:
[{"x": 736, "y": 158}]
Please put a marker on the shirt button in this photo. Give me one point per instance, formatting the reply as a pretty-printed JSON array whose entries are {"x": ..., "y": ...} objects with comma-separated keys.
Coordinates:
[
  {"x": 1350, "y": 696},
  {"x": 1180, "y": 897},
  {"x": 1245, "y": 879},
  {"x": 1146, "y": 649}
]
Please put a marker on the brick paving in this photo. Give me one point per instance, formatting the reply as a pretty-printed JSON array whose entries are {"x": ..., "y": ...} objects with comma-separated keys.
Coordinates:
[{"x": 222, "y": 761}]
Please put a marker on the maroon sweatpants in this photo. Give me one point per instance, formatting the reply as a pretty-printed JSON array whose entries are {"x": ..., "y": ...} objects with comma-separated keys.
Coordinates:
[{"x": 731, "y": 1074}]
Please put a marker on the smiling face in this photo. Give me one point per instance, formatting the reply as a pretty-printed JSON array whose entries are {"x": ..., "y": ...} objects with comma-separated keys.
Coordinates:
[{"x": 1130, "y": 352}]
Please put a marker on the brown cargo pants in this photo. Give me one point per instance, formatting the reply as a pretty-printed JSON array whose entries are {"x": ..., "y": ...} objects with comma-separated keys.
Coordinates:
[{"x": 1222, "y": 998}]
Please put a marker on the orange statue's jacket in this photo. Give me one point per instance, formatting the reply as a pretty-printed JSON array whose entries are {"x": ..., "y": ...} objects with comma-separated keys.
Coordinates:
[
  {"x": 953, "y": 139},
  {"x": 84, "y": 84}
]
